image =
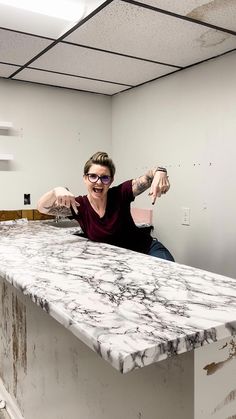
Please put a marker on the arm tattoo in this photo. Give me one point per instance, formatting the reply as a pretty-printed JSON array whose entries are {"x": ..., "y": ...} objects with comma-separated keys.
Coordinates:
[
  {"x": 58, "y": 211},
  {"x": 142, "y": 183}
]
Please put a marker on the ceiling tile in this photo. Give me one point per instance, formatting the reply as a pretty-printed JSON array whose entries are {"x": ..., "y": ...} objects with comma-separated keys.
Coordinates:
[
  {"x": 6, "y": 70},
  {"x": 54, "y": 79},
  {"x": 16, "y": 48},
  {"x": 140, "y": 32},
  {"x": 32, "y": 23},
  {"x": 40, "y": 24},
  {"x": 85, "y": 62},
  {"x": 219, "y": 13}
]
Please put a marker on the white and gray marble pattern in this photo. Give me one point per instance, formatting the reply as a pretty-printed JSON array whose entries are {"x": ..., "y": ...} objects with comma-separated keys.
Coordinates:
[{"x": 132, "y": 309}]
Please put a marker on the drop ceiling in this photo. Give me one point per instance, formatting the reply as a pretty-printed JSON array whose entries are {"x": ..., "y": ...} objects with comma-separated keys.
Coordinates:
[{"x": 118, "y": 45}]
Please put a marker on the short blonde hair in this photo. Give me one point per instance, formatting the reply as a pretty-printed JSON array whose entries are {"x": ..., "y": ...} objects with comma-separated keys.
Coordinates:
[{"x": 103, "y": 159}]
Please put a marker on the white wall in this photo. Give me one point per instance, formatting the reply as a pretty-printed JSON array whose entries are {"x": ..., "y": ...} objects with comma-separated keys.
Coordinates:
[
  {"x": 186, "y": 121},
  {"x": 55, "y": 132}
]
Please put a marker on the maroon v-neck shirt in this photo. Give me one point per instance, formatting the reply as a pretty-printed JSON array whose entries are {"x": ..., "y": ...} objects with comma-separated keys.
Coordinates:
[{"x": 116, "y": 226}]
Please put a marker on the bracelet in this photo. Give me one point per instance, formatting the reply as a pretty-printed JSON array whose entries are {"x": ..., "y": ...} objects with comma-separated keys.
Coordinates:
[{"x": 161, "y": 169}]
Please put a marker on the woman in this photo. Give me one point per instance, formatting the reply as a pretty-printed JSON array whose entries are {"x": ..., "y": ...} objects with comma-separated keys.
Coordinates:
[{"x": 104, "y": 213}]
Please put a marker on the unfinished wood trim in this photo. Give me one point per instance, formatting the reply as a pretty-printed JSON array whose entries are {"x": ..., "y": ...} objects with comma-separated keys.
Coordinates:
[
  {"x": 30, "y": 214},
  {"x": 39, "y": 216},
  {"x": 7, "y": 215}
]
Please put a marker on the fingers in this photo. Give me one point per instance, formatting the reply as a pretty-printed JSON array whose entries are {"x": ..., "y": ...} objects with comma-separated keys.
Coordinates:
[
  {"x": 160, "y": 185},
  {"x": 164, "y": 185},
  {"x": 75, "y": 206},
  {"x": 155, "y": 196},
  {"x": 66, "y": 200}
]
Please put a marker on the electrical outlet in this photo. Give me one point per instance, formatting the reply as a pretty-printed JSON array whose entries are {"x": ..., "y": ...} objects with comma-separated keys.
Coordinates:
[
  {"x": 185, "y": 219},
  {"x": 26, "y": 198}
]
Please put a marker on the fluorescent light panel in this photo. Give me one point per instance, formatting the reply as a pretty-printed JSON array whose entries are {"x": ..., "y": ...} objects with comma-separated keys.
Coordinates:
[{"x": 67, "y": 10}]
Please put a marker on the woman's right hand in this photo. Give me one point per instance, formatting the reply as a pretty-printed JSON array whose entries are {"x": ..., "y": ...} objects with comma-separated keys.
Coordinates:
[{"x": 64, "y": 198}]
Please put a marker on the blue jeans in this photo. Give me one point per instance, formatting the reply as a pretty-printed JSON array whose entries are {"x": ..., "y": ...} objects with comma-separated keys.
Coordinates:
[{"x": 159, "y": 251}]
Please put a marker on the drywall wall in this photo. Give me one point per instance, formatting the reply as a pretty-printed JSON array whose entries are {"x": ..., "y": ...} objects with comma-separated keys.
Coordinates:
[
  {"x": 187, "y": 122},
  {"x": 54, "y": 132}
]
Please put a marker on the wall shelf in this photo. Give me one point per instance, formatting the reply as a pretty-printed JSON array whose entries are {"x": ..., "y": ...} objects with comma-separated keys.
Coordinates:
[
  {"x": 6, "y": 157},
  {"x": 6, "y": 125}
]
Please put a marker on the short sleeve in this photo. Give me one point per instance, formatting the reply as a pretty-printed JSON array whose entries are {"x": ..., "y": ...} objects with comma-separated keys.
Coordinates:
[{"x": 127, "y": 191}]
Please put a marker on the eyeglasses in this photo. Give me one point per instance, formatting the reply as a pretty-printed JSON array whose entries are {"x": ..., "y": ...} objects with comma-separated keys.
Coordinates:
[{"x": 93, "y": 178}]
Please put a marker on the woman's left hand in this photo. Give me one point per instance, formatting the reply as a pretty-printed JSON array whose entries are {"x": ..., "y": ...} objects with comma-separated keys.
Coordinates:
[{"x": 160, "y": 185}]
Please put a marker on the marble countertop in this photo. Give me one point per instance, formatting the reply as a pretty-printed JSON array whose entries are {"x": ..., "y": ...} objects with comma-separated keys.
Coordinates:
[{"x": 132, "y": 309}]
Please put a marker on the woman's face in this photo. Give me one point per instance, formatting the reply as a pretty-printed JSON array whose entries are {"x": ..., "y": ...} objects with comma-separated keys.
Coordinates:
[{"x": 98, "y": 181}]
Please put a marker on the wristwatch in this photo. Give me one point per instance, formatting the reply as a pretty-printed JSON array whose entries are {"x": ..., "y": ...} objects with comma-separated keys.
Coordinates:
[{"x": 161, "y": 169}]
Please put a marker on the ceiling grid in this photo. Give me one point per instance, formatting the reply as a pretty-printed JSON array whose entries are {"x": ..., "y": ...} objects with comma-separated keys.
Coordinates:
[{"x": 120, "y": 45}]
